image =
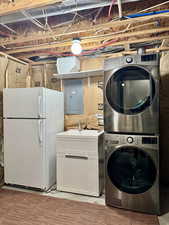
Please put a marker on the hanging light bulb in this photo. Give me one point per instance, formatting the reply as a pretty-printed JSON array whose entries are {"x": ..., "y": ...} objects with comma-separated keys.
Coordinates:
[{"x": 76, "y": 47}]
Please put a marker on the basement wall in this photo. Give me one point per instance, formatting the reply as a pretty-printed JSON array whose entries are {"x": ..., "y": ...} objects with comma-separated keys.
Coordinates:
[
  {"x": 92, "y": 94},
  {"x": 12, "y": 74}
]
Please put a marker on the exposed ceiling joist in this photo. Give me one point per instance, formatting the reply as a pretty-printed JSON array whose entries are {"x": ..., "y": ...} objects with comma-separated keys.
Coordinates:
[
  {"x": 17, "y": 5},
  {"x": 88, "y": 47},
  {"x": 114, "y": 55},
  {"x": 95, "y": 40},
  {"x": 84, "y": 32}
]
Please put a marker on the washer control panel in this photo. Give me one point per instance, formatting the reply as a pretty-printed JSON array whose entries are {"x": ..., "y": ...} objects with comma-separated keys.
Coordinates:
[{"x": 120, "y": 139}]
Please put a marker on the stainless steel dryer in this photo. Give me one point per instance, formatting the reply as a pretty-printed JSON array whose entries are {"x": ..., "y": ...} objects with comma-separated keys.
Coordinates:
[
  {"x": 132, "y": 172},
  {"x": 131, "y": 90}
]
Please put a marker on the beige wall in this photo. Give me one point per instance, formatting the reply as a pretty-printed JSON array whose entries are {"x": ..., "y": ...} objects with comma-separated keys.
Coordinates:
[
  {"x": 12, "y": 74},
  {"x": 93, "y": 95}
]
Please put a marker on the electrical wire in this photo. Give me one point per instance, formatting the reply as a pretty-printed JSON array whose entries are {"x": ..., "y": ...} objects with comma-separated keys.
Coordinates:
[
  {"x": 47, "y": 26},
  {"x": 33, "y": 20},
  {"x": 7, "y": 27},
  {"x": 147, "y": 14},
  {"x": 4, "y": 34},
  {"x": 125, "y": 17},
  {"x": 73, "y": 20},
  {"x": 155, "y": 6},
  {"x": 70, "y": 21},
  {"x": 67, "y": 28},
  {"x": 97, "y": 14},
  {"x": 83, "y": 53},
  {"x": 113, "y": 2},
  {"x": 128, "y": 28}
]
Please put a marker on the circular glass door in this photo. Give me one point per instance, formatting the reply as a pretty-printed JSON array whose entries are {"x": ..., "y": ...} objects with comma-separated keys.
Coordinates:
[
  {"x": 131, "y": 170},
  {"x": 130, "y": 90}
]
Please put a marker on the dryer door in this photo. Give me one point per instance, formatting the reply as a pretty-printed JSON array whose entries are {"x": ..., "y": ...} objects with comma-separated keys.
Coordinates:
[
  {"x": 130, "y": 90},
  {"x": 131, "y": 170}
]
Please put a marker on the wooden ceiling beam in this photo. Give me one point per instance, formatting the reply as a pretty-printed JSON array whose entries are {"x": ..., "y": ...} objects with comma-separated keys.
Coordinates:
[
  {"x": 17, "y": 5},
  {"x": 84, "y": 32},
  {"x": 56, "y": 36},
  {"x": 113, "y": 55},
  {"x": 52, "y": 51},
  {"x": 60, "y": 34},
  {"x": 95, "y": 40},
  {"x": 134, "y": 52}
]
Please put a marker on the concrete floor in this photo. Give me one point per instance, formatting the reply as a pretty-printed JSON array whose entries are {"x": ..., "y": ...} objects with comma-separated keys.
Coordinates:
[{"x": 164, "y": 219}]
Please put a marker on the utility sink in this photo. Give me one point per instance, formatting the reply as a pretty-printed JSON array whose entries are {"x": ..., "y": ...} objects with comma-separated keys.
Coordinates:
[
  {"x": 81, "y": 133},
  {"x": 79, "y": 155}
]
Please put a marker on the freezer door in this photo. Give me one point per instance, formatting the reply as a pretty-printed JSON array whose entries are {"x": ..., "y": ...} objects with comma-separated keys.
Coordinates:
[
  {"x": 24, "y": 102},
  {"x": 24, "y": 152}
]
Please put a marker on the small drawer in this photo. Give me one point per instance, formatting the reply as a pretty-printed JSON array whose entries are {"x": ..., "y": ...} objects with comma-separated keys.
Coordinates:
[{"x": 77, "y": 145}]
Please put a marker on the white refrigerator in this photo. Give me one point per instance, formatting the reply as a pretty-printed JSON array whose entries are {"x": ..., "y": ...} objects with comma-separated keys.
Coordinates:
[{"x": 32, "y": 117}]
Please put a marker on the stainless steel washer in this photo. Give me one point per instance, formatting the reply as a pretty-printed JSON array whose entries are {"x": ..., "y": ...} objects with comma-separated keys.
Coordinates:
[
  {"x": 131, "y": 90},
  {"x": 132, "y": 172}
]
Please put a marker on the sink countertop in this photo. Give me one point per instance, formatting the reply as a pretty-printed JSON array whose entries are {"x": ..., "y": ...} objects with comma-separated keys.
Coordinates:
[{"x": 83, "y": 133}]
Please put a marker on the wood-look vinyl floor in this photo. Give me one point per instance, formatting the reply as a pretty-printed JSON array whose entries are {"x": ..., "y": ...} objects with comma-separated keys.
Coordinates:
[{"x": 20, "y": 208}]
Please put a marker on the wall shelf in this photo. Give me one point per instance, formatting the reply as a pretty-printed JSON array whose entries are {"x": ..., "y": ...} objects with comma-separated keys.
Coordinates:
[{"x": 78, "y": 75}]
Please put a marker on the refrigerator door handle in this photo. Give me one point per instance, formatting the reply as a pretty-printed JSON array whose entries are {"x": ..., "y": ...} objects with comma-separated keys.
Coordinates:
[
  {"x": 39, "y": 106},
  {"x": 40, "y": 131}
]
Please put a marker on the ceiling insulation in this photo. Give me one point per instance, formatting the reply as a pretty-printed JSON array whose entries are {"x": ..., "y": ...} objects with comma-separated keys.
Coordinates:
[{"x": 68, "y": 6}]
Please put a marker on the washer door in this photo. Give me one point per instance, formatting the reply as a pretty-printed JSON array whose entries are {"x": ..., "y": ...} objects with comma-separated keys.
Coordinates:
[
  {"x": 130, "y": 90},
  {"x": 131, "y": 170}
]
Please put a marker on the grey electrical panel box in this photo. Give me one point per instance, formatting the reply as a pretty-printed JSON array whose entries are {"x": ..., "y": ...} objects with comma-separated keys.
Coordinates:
[{"x": 73, "y": 96}]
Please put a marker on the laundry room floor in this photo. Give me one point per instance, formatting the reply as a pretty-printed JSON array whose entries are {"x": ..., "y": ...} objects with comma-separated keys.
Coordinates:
[
  {"x": 163, "y": 220},
  {"x": 65, "y": 195}
]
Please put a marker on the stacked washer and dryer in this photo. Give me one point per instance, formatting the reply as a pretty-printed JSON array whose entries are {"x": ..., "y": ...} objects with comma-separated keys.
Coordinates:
[{"x": 131, "y": 118}]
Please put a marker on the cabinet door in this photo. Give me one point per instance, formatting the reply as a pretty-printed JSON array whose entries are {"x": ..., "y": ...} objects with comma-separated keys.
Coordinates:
[{"x": 77, "y": 173}]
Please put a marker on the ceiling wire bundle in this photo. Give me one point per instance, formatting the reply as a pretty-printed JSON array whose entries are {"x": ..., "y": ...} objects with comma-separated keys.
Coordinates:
[
  {"x": 33, "y": 20},
  {"x": 8, "y": 28}
]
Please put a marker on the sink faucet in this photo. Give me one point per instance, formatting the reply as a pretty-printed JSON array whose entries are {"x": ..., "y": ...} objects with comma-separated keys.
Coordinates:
[{"x": 79, "y": 126}]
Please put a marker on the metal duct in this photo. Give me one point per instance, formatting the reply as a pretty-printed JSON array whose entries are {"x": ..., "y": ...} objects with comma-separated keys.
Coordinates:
[{"x": 68, "y": 6}]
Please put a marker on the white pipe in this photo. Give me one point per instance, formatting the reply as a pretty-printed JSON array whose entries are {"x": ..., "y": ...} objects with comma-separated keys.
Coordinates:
[{"x": 120, "y": 8}]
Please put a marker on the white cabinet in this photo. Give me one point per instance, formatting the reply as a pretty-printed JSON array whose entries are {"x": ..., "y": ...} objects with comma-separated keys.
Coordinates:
[{"x": 80, "y": 162}]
